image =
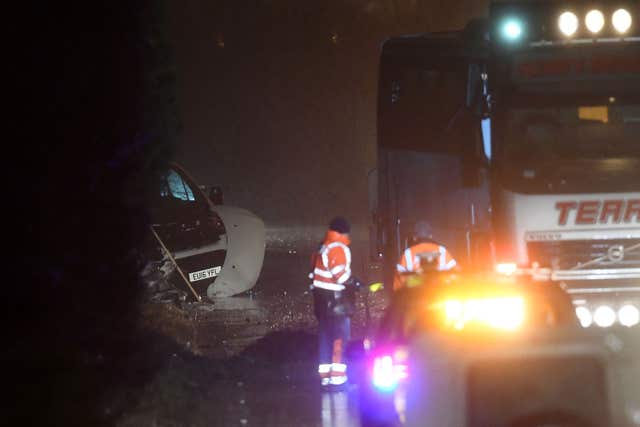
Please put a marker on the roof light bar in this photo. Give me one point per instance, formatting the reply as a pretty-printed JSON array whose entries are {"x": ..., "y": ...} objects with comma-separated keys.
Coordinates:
[
  {"x": 594, "y": 21},
  {"x": 518, "y": 24},
  {"x": 568, "y": 23},
  {"x": 621, "y": 20}
]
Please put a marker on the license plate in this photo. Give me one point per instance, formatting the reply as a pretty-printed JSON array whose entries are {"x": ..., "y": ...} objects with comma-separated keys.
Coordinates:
[{"x": 204, "y": 274}]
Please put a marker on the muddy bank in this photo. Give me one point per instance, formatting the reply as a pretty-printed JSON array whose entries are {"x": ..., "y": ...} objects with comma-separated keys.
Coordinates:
[
  {"x": 270, "y": 383},
  {"x": 225, "y": 327},
  {"x": 245, "y": 360},
  {"x": 239, "y": 361}
]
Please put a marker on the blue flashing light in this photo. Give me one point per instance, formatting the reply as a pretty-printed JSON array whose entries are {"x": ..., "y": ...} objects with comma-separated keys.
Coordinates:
[
  {"x": 383, "y": 377},
  {"x": 512, "y": 29},
  {"x": 387, "y": 374}
]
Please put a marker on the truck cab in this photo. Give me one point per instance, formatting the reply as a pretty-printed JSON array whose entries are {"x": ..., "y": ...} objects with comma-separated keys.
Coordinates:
[{"x": 517, "y": 139}]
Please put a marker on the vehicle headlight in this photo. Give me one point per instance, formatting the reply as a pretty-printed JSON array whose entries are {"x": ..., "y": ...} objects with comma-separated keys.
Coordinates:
[
  {"x": 594, "y": 21},
  {"x": 604, "y": 316},
  {"x": 621, "y": 20},
  {"x": 568, "y": 23},
  {"x": 584, "y": 316},
  {"x": 628, "y": 315},
  {"x": 505, "y": 313},
  {"x": 506, "y": 268}
]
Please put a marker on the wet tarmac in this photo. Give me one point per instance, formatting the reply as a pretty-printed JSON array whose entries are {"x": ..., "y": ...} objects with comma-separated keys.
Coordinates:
[
  {"x": 245, "y": 361},
  {"x": 281, "y": 300},
  {"x": 248, "y": 360},
  {"x": 293, "y": 406},
  {"x": 239, "y": 403}
]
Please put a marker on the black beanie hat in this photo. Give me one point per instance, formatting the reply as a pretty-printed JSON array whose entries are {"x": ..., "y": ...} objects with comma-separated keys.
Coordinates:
[{"x": 340, "y": 225}]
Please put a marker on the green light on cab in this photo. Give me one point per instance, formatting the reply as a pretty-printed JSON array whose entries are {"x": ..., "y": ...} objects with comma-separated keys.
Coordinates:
[{"x": 512, "y": 29}]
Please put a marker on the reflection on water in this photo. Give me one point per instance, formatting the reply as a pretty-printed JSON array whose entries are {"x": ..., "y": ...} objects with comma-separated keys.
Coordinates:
[
  {"x": 237, "y": 303},
  {"x": 339, "y": 410}
]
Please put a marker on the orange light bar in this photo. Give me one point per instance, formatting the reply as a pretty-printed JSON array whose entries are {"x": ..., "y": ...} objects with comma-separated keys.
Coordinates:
[{"x": 506, "y": 268}]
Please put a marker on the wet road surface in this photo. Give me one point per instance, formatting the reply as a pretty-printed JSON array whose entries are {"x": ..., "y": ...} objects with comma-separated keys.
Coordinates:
[
  {"x": 247, "y": 360},
  {"x": 300, "y": 406}
]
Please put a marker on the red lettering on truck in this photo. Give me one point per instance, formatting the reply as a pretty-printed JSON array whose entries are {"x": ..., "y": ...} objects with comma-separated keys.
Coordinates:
[
  {"x": 613, "y": 209},
  {"x": 601, "y": 212},
  {"x": 633, "y": 209},
  {"x": 587, "y": 212},
  {"x": 564, "y": 208}
]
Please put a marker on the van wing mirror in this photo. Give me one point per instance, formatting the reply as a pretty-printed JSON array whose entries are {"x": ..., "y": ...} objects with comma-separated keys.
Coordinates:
[{"x": 216, "y": 195}]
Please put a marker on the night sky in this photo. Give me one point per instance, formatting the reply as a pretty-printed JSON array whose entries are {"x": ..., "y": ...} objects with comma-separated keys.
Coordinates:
[
  {"x": 277, "y": 105},
  {"x": 278, "y": 98}
]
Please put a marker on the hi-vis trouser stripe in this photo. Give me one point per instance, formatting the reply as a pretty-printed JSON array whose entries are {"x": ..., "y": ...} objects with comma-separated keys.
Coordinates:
[
  {"x": 339, "y": 367},
  {"x": 338, "y": 374},
  {"x": 337, "y": 380},
  {"x": 332, "y": 373},
  {"x": 324, "y": 368}
]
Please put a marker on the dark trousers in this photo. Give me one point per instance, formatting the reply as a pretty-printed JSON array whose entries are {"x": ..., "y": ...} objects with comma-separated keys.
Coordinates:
[{"x": 330, "y": 330}]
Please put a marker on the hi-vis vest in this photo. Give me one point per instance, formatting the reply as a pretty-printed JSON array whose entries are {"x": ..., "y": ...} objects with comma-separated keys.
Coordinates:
[
  {"x": 410, "y": 260},
  {"x": 332, "y": 267}
]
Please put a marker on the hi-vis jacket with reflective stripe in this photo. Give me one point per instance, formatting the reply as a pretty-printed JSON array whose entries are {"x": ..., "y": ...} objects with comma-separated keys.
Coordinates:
[
  {"x": 332, "y": 263},
  {"x": 410, "y": 260}
]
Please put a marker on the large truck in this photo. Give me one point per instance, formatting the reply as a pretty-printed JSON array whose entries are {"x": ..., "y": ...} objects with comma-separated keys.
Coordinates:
[{"x": 518, "y": 140}]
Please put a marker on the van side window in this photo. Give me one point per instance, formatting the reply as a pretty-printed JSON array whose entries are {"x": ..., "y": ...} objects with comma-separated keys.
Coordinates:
[{"x": 175, "y": 187}]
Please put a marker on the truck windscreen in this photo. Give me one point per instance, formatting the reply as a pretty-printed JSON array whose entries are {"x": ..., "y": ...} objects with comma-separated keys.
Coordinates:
[
  {"x": 571, "y": 130},
  {"x": 568, "y": 144},
  {"x": 568, "y": 119}
]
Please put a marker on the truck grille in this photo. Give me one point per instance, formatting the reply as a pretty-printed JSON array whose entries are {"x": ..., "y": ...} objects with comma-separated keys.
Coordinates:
[{"x": 567, "y": 254}]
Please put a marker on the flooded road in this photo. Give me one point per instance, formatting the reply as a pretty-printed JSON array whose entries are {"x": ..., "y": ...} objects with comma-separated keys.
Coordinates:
[{"x": 300, "y": 406}]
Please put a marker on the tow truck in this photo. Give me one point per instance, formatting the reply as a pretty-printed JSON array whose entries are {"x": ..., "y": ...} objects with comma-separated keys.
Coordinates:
[
  {"x": 478, "y": 349},
  {"x": 518, "y": 140}
]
